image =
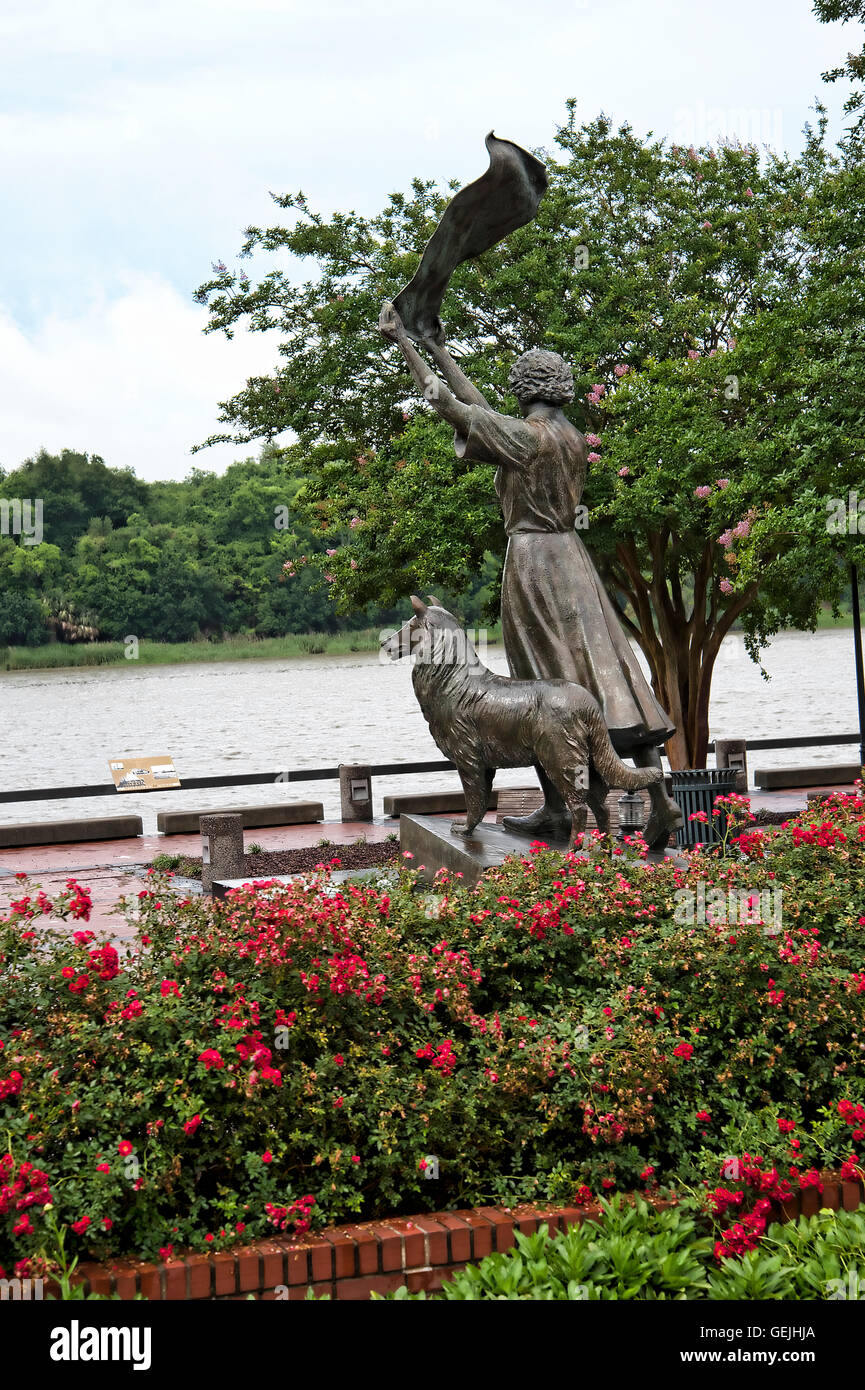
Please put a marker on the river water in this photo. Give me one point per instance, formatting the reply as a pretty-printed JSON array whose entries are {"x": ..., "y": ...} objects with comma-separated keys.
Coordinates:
[{"x": 59, "y": 728}]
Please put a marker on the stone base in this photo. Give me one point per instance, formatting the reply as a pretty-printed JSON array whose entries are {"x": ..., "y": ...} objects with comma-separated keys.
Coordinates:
[
  {"x": 429, "y": 839},
  {"x": 60, "y": 832},
  {"x": 431, "y": 803},
  {"x": 283, "y": 813},
  {"x": 829, "y": 775}
]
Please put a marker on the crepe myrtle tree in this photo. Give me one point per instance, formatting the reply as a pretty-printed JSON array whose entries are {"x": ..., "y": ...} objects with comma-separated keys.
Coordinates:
[
  {"x": 684, "y": 287},
  {"x": 853, "y": 67}
]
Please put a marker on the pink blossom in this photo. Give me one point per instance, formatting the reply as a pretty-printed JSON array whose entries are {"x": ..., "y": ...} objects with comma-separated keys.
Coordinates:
[
  {"x": 599, "y": 389},
  {"x": 593, "y": 440},
  {"x": 624, "y": 472},
  {"x": 353, "y": 564},
  {"x": 703, "y": 491},
  {"x": 748, "y": 193},
  {"x": 743, "y": 528},
  {"x": 722, "y": 482},
  {"x": 621, "y": 369},
  {"x": 707, "y": 226},
  {"x": 594, "y": 458},
  {"x": 330, "y": 552},
  {"x": 726, "y": 539},
  {"x": 330, "y": 579},
  {"x": 355, "y": 522},
  {"x": 726, "y": 586},
  {"x": 693, "y": 354}
]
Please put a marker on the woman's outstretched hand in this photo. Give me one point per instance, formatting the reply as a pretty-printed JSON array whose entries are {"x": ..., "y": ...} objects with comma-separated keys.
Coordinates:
[{"x": 390, "y": 325}]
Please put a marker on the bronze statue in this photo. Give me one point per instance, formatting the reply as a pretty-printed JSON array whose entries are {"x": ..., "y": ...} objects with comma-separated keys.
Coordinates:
[
  {"x": 557, "y": 619},
  {"x": 482, "y": 721}
]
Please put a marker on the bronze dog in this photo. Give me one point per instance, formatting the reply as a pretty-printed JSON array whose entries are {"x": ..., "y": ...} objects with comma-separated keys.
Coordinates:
[{"x": 482, "y": 721}]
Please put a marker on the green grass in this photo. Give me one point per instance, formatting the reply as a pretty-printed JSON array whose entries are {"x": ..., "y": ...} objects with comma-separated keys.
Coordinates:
[
  {"x": 825, "y": 618},
  {"x": 57, "y": 655}
]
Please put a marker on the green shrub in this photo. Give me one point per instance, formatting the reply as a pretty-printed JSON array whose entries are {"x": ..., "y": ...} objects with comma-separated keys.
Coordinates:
[
  {"x": 636, "y": 1252},
  {"x": 292, "y": 1056},
  {"x": 165, "y": 863}
]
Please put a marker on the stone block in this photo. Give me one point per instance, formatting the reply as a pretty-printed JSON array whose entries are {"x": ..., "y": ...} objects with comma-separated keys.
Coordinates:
[
  {"x": 60, "y": 832},
  {"x": 281, "y": 813}
]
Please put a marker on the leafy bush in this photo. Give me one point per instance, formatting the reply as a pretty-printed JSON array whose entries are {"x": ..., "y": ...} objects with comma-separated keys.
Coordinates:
[
  {"x": 294, "y": 1054},
  {"x": 636, "y": 1252},
  {"x": 165, "y": 863}
]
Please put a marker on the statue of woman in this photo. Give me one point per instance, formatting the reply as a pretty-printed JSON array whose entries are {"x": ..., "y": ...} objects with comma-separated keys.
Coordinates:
[{"x": 558, "y": 621}]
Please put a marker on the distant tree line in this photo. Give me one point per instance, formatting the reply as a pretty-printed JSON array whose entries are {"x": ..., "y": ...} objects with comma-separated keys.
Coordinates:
[{"x": 164, "y": 561}]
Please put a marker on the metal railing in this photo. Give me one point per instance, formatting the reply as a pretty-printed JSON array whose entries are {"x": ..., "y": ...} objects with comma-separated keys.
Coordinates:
[{"x": 327, "y": 774}]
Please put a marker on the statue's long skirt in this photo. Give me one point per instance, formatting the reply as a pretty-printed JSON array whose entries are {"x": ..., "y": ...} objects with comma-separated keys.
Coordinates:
[{"x": 558, "y": 622}]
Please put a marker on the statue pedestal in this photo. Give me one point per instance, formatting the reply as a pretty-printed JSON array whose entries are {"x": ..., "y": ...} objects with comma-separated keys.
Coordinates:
[{"x": 429, "y": 839}]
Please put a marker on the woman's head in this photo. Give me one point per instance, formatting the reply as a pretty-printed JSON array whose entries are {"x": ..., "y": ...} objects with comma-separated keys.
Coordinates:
[{"x": 541, "y": 376}]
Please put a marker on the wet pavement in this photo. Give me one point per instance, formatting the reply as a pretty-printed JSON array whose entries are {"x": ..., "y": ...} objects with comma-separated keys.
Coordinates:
[{"x": 111, "y": 869}]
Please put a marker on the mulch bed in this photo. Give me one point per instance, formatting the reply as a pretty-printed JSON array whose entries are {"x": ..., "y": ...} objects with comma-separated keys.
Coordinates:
[
  {"x": 774, "y": 817},
  {"x": 372, "y": 855}
]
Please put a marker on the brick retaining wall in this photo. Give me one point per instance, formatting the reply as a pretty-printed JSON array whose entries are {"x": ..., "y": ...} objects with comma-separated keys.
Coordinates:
[{"x": 349, "y": 1262}]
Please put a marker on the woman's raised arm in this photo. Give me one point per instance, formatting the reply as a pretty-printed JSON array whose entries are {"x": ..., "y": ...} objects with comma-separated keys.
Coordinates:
[
  {"x": 432, "y": 388},
  {"x": 453, "y": 374}
]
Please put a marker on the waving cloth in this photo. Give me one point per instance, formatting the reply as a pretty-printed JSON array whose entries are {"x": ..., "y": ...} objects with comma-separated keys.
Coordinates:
[{"x": 476, "y": 218}]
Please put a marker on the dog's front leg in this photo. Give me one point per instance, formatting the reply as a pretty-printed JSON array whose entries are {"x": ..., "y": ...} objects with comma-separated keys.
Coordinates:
[{"x": 476, "y": 785}]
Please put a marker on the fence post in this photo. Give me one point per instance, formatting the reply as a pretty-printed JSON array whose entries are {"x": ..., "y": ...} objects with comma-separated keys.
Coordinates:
[
  {"x": 355, "y": 791},
  {"x": 732, "y": 753},
  {"x": 221, "y": 848}
]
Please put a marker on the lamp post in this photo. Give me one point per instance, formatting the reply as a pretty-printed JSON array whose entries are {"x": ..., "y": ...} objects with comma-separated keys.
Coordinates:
[
  {"x": 860, "y": 677},
  {"x": 630, "y": 806}
]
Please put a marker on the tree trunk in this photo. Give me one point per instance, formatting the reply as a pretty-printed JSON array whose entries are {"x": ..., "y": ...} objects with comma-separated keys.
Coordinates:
[{"x": 681, "y": 650}]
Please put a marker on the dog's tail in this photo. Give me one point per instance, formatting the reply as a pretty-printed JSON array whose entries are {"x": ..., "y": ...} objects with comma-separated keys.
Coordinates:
[{"x": 610, "y": 766}]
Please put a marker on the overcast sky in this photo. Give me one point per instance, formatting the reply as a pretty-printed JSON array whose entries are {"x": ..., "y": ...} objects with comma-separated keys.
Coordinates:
[{"x": 137, "y": 140}]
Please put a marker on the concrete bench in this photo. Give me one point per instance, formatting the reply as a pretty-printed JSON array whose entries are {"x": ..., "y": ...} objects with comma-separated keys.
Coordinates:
[
  {"x": 518, "y": 801},
  {"x": 521, "y": 801},
  {"x": 829, "y": 775},
  {"x": 430, "y": 803},
  {"x": 62, "y": 832},
  {"x": 283, "y": 813}
]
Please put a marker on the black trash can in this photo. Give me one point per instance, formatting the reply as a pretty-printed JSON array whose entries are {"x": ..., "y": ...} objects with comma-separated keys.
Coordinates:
[{"x": 695, "y": 789}]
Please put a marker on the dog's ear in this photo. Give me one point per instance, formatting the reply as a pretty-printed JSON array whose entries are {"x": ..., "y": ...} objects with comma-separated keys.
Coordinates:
[
  {"x": 433, "y": 601},
  {"x": 418, "y": 605}
]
